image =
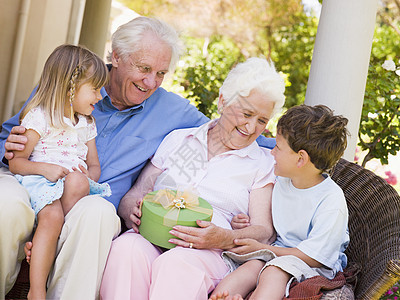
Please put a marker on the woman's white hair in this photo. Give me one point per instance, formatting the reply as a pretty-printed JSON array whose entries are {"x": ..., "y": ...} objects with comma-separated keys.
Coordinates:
[
  {"x": 254, "y": 74},
  {"x": 127, "y": 38}
]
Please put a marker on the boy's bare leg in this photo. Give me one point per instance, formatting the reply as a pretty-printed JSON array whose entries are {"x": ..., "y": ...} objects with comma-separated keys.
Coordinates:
[
  {"x": 43, "y": 251},
  {"x": 272, "y": 284},
  {"x": 240, "y": 282},
  {"x": 225, "y": 296},
  {"x": 76, "y": 186}
]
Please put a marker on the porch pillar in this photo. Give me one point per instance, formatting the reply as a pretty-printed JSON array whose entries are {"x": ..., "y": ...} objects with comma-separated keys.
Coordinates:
[
  {"x": 95, "y": 25},
  {"x": 340, "y": 60}
]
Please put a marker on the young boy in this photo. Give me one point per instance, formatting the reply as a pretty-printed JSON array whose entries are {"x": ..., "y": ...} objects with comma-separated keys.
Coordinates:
[{"x": 308, "y": 208}]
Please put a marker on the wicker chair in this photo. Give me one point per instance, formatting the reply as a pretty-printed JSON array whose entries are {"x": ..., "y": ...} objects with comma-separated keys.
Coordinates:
[
  {"x": 374, "y": 224},
  {"x": 21, "y": 287}
]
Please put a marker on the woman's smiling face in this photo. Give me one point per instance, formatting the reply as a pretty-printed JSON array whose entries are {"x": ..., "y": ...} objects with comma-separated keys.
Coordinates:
[{"x": 244, "y": 120}]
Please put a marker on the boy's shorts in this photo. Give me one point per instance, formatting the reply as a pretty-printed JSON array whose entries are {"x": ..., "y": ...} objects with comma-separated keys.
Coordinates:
[{"x": 289, "y": 263}]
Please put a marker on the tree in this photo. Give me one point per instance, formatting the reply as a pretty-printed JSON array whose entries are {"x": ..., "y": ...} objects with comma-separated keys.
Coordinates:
[
  {"x": 242, "y": 21},
  {"x": 389, "y": 14},
  {"x": 221, "y": 33},
  {"x": 203, "y": 69},
  {"x": 292, "y": 53},
  {"x": 379, "y": 131}
]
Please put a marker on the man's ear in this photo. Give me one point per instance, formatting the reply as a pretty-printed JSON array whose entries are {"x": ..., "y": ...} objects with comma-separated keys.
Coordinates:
[
  {"x": 115, "y": 59},
  {"x": 303, "y": 158}
]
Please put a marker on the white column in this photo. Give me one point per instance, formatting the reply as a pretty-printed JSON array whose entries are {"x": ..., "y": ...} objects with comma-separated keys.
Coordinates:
[
  {"x": 340, "y": 60},
  {"x": 16, "y": 58},
  {"x": 95, "y": 25},
  {"x": 75, "y": 21}
]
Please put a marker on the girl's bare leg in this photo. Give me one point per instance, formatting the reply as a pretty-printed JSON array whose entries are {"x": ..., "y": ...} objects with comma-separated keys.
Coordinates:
[
  {"x": 240, "y": 282},
  {"x": 272, "y": 284},
  {"x": 76, "y": 186},
  {"x": 43, "y": 251}
]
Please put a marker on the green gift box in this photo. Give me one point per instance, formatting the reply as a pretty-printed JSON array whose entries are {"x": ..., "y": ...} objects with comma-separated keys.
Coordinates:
[{"x": 163, "y": 209}]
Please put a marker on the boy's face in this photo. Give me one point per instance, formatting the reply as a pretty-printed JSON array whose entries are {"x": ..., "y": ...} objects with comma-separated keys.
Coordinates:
[{"x": 285, "y": 158}]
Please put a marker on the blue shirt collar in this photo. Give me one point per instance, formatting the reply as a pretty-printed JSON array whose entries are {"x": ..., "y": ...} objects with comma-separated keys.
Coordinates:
[{"x": 105, "y": 104}]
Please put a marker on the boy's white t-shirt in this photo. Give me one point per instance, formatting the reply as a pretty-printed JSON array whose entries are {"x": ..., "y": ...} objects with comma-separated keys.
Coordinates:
[{"x": 314, "y": 220}]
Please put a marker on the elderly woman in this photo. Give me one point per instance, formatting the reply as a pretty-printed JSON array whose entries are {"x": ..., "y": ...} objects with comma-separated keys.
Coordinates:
[{"x": 226, "y": 166}]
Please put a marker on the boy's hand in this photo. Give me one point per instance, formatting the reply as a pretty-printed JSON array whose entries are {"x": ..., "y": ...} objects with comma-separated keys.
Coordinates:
[
  {"x": 240, "y": 221},
  {"x": 54, "y": 172},
  {"x": 244, "y": 246}
]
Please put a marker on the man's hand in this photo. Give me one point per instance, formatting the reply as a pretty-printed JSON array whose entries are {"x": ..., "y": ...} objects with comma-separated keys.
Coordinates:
[
  {"x": 136, "y": 213},
  {"x": 15, "y": 141}
]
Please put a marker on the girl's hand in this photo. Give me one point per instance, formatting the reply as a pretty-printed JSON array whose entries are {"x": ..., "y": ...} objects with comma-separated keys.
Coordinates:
[
  {"x": 81, "y": 169},
  {"x": 247, "y": 245},
  {"x": 54, "y": 172},
  {"x": 208, "y": 236},
  {"x": 240, "y": 221}
]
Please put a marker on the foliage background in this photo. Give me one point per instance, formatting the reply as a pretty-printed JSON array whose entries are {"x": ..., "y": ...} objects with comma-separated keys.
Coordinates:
[{"x": 220, "y": 33}]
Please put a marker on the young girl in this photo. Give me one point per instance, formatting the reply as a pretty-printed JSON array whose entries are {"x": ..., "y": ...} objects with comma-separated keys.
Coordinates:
[{"x": 59, "y": 165}]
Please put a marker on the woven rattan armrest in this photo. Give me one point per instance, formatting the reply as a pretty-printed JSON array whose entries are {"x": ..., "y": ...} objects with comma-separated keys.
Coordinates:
[{"x": 374, "y": 226}]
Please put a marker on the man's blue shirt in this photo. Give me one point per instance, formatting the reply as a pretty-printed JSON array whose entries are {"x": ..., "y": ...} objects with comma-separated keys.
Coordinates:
[{"x": 127, "y": 139}]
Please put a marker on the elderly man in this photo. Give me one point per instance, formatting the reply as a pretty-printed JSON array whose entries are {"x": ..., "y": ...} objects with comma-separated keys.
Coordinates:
[{"x": 133, "y": 117}]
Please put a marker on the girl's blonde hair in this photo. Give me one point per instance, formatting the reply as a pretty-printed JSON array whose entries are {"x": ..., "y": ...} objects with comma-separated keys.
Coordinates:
[{"x": 67, "y": 68}]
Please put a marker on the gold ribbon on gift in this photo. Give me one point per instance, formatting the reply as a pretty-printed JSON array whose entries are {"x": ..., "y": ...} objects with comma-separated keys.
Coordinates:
[{"x": 174, "y": 201}]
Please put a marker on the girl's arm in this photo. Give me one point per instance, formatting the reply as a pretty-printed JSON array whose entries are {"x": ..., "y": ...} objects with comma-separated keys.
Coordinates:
[
  {"x": 212, "y": 236},
  {"x": 21, "y": 164},
  {"x": 92, "y": 161}
]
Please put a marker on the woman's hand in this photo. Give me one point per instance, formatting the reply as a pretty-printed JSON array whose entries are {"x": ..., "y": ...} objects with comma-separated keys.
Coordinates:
[
  {"x": 244, "y": 246},
  {"x": 208, "y": 236},
  {"x": 15, "y": 141}
]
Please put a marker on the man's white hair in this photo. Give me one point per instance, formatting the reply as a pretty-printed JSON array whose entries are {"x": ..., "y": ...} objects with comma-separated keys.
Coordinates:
[{"x": 127, "y": 38}]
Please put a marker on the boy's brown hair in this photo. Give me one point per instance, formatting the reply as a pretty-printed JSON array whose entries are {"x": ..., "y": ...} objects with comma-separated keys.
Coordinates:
[{"x": 316, "y": 130}]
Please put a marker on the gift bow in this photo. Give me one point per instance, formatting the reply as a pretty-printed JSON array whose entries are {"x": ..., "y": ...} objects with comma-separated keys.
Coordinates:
[{"x": 174, "y": 201}]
